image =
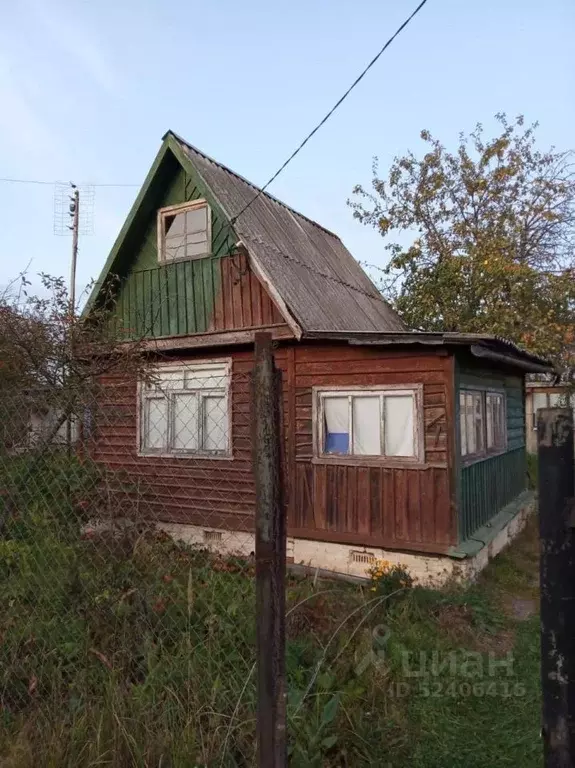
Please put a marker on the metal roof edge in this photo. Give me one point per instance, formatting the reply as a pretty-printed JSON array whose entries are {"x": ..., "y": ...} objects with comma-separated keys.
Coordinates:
[{"x": 437, "y": 338}]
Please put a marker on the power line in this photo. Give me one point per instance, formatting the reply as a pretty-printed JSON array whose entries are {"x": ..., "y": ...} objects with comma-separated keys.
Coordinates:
[
  {"x": 52, "y": 183},
  {"x": 296, "y": 151},
  {"x": 330, "y": 113}
]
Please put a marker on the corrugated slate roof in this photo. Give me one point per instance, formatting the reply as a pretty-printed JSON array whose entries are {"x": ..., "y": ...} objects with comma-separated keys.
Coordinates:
[{"x": 321, "y": 283}]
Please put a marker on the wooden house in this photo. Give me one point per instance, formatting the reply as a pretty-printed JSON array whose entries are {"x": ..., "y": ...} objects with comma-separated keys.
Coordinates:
[{"x": 403, "y": 445}]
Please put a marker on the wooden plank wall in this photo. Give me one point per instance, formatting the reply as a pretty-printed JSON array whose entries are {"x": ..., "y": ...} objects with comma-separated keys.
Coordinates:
[
  {"x": 242, "y": 301},
  {"x": 217, "y": 493},
  {"x": 197, "y": 296},
  {"x": 403, "y": 507}
]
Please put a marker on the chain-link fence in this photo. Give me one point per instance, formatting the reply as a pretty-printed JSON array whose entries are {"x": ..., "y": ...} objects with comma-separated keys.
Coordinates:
[
  {"x": 143, "y": 593},
  {"x": 127, "y": 607}
]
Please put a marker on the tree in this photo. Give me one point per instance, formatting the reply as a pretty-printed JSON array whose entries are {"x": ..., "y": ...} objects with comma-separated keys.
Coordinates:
[
  {"x": 492, "y": 237},
  {"x": 52, "y": 360}
]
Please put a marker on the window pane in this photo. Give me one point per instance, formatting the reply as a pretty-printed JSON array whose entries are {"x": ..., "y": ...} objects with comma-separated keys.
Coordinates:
[
  {"x": 197, "y": 249},
  {"x": 500, "y": 430},
  {"x": 336, "y": 424},
  {"x": 185, "y": 424},
  {"x": 555, "y": 399},
  {"x": 155, "y": 423},
  {"x": 208, "y": 377},
  {"x": 470, "y": 424},
  {"x": 539, "y": 400},
  {"x": 493, "y": 426},
  {"x": 491, "y": 415},
  {"x": 175, "y": 225},
  {"x": 495, "y": 412},
  {"x": 462, "y": 422},
  {"x": 164, "y": 381},
  {"x": 174, "y": 248},
  {"x": 197, "y": 220},
  {"x": 197, "y": 238},
  {"x": 478, "y": 415},
  {"x": 399, "y": 437},
  {"x": 366, "y": 426},
  {"x": 215, "y": 423}
]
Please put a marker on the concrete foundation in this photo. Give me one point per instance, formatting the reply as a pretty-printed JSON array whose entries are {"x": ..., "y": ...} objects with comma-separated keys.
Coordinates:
[{"x": 349, "y": 560}]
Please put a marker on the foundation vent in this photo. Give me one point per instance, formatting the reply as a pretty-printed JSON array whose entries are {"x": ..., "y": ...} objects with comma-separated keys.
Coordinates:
[
  {"x": 362, "y": 557},
  {"x": 212, "y": 536}
]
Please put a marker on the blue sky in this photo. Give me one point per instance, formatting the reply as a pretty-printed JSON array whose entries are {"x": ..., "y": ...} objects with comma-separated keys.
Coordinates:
[{"x": 88, "y": 89}]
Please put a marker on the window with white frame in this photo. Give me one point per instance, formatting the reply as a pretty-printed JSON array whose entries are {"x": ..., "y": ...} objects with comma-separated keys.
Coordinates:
[
  {"x": 184, "y": 231},
  {"x": 482, "y": 423},
  {"x": 185, "y": 410},
  {"x": 376, "y": 422}
]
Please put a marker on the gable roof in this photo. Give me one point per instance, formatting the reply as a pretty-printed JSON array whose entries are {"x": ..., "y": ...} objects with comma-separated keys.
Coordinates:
[
  {"x": 316, "y": 280},
  {"x": 314, "y": 273}
]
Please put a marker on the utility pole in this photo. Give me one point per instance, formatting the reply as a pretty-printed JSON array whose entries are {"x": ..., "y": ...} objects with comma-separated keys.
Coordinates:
[{"x": 75, "y": 227}]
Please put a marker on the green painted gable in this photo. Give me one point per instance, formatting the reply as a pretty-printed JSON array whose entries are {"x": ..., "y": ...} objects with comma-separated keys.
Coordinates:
[{"x": 164, "y": 299}]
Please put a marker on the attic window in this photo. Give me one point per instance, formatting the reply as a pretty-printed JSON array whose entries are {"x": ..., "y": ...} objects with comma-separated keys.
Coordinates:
[{"x": 184, "y": 231}]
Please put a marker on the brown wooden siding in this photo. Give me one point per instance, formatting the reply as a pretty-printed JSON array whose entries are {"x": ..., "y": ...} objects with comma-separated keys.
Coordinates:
[
  {"x": 396, "y": 506},
  {"x": 212, "y": 492},
  {"x": 386, "y": 504},
  {"x": 195, "y": 297},
  {"x": 241, "y": 301}
]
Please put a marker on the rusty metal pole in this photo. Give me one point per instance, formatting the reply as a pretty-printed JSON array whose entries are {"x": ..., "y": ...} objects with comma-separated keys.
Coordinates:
[
  {"x": 270, "y": 558},
  {"x": 557, "y": 576}
]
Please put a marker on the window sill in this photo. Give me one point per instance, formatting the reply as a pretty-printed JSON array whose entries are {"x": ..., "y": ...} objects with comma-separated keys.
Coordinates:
[
  {"x": 199, "y": 456},
  {"x": 476, "y": 459},
  {"x": 166, "y": 262},
  {"x": 374, "y": 461}
]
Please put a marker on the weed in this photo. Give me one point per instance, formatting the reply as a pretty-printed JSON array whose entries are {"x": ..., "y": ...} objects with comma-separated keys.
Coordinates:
[{"x": 387, "y": 579}]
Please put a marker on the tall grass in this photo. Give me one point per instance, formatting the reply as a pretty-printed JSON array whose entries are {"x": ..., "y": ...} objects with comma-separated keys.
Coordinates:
[{"x": 120, "y": 647}]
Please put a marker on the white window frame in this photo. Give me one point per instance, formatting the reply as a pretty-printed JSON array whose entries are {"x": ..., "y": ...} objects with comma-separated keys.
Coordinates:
[
  {"x": 318, "y": 421},
  {"x": 144, "y": 393},
  {"x": 485, "y": 452},
  {"x": 173, "y": 210}
]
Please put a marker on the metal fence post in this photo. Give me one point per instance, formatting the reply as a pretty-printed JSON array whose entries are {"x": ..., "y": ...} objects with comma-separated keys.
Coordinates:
[
  {"x": 557, "y": 534},
  {"x": 270, "y": 553}
]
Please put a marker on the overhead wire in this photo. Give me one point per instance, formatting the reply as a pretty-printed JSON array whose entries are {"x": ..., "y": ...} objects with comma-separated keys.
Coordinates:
[
  {"x": 324, "y": 120},
  {"x": 52, "y": 183},
  {"x": 312, "y": 133}
]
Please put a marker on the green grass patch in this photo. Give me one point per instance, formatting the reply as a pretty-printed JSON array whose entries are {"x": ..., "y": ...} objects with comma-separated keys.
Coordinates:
[{"x": 125, "y": 648}]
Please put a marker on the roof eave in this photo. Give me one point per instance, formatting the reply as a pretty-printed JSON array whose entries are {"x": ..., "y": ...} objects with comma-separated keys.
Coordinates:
[
  {"x": 479, "y": 345},
  {"x": 110, "y": 261}
]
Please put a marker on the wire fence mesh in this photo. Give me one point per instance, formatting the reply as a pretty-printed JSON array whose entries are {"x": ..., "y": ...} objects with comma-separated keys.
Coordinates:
[
  {"x": 129, "y": 632},
  {"x": 127, "y": 608}
]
